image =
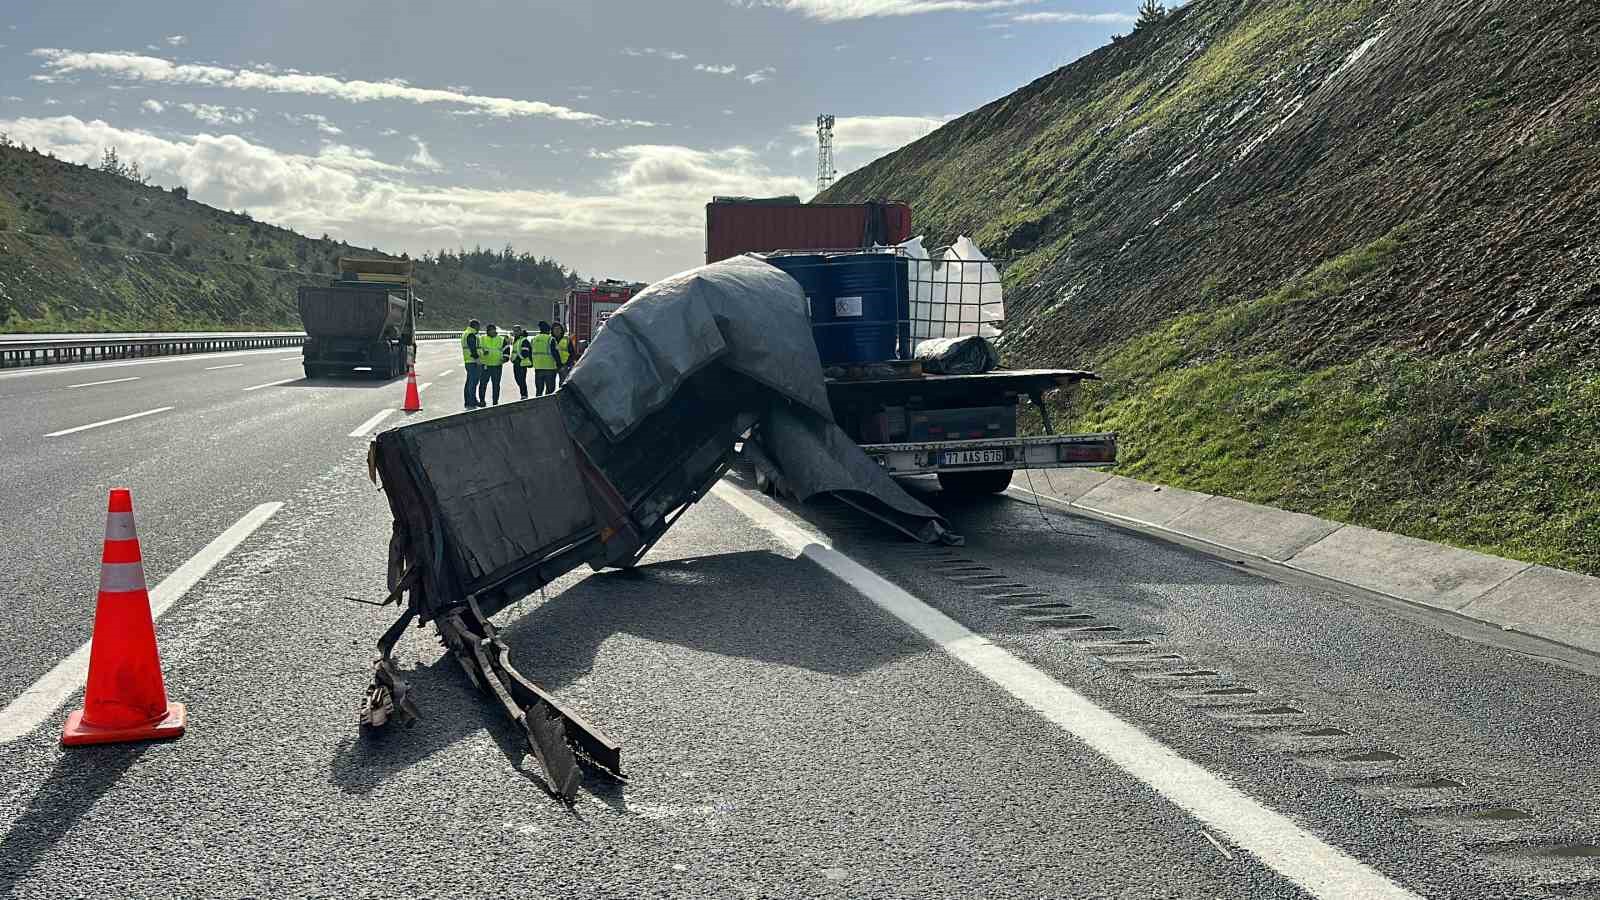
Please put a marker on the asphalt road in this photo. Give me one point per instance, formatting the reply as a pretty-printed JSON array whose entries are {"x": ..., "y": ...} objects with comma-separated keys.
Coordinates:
[{"x": 786, "y": 733}]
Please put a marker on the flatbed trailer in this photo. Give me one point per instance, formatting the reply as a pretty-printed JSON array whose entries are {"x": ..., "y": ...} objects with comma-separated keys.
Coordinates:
[
  {"x": 961, "y": 428},
  {"x": 981, "y": 458}
]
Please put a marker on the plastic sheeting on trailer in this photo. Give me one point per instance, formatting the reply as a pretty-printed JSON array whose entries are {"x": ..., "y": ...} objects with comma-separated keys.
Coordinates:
[{"x": 751, "y": 318}]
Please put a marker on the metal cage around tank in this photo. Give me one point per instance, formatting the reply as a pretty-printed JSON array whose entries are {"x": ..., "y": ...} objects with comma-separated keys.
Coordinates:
[{"x": 855, "y": 322}]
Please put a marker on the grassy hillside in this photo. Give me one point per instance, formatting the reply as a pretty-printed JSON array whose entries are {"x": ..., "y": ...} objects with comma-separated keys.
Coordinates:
[
  {"x": 83, "y": 250},
  {"x": 1332, "y": 255}
]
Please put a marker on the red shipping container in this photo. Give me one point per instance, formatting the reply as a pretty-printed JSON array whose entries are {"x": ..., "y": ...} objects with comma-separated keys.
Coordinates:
[{"x": 735, "y": 226}]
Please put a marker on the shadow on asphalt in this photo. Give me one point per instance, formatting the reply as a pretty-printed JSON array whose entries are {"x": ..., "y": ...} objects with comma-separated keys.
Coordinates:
[
  {"x": 81, "y": 777},
  {"x": 358, "y": 380},
  {"x": 728, "y": 605}
]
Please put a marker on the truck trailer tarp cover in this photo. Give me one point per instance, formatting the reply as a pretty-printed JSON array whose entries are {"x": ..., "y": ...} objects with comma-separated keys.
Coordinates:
[{"x": 749, "y": 317}]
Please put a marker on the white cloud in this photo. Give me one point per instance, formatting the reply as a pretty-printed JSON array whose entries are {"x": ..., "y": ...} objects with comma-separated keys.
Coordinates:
[
  {"x": 423, "y": 158},
  {"x": 388, "y": 132},
  {"x": 878, "y": 133},
  {"x": 354, "y": 159},
  {"x": 652, "y": 191},
  {"x": 845, "y": 10},
  {"x": 761, "y": 75},
  {"x": 322, "y": 122},
  {"x": 654, "y": 51},
  {"x": 134, "y": 67},
  {"x": 177, "y": 40},
  {"x": 219, "y": 115},
  {"x": 1075, "y": 18},
  {"x": 716, "y": 70},
  {"x": 51, "y": 101},
  {"x": 154, "y": 106}
]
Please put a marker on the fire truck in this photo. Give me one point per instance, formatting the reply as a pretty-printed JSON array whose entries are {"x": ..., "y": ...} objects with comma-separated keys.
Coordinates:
[{"x": 588, "y": 306}]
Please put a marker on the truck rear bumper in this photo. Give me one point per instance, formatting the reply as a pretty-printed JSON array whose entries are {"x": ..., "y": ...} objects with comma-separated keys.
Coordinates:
[{"x": 1056, "y": 451}]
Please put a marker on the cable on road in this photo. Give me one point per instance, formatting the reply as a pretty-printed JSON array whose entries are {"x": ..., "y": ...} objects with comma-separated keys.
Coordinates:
[{"x": 1037, "y": 504}]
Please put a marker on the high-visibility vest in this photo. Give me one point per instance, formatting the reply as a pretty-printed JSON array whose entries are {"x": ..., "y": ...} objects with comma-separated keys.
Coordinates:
[
  {"x": 564, "y": 347},
  {"x": 466, "y": 355},
  {"x": 523, "y": 349},
  {"x": 541, "y": 352},
  {"x": 492, "y": 348}
]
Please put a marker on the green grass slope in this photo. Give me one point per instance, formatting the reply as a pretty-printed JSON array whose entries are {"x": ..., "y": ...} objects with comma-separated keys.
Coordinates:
[
  {"x": 1332, "y": 255},
  {"x": 83, "y": 250}
]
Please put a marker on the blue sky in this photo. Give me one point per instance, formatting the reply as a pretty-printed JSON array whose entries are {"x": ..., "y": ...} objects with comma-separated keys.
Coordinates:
[{"x": 590, "y": 132}]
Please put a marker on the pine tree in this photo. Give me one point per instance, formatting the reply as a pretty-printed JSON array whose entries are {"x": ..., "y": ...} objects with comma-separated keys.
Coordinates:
[
  {"x": 110, "y": 164},
  {"x": 1151, "y": 12}
]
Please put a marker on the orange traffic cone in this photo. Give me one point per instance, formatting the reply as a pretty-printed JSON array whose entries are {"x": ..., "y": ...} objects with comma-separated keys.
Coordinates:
[
  {"x": 126, "y": 699},
  {"x": 413, "y": 399}
]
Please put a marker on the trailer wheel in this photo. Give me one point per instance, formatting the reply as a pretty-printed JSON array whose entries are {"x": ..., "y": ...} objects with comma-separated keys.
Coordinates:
[{"x": 971, "y": 484}]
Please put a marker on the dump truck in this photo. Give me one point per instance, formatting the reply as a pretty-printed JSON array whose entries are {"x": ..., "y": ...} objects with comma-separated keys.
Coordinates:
[
  {"x": 365, "y": 318},
  {"x": 873, "y": 302}
]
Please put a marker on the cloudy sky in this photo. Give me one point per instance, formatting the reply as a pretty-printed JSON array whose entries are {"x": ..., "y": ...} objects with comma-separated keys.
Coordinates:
[{"x": 591, "y": 132}]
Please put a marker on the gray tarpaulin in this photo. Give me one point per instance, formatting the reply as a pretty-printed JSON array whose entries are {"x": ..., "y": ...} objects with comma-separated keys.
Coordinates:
[{"x": 751, "y": 318}]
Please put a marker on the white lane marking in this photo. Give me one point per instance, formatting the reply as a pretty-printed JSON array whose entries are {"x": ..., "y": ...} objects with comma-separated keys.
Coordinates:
[
  {"x": 41, "y": 700},
  {"x": 272, "y": 384},
  {"x": 1319, "y": 868},
  {"x": 107, "y": 381},
  {"x": 228, "y": 366},
  {"x": 424, "y": 386},
  {"x": 296, "y": 356},
  {"x": 155, "y": 361},
  {"x": 365, "y": 427},
  {"x": 137, "y": 415},
  {"x": 445, "y": 374}
]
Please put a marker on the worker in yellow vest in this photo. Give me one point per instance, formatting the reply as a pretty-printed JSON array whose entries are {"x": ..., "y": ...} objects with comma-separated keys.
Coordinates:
[
  {"x": 521, "y": 358},
  {"x": 492, "y": 353},
  {"x": 563, "y": 344},
  {"x": 469, "y": 355},
  {"x": 545, "y": 362}
]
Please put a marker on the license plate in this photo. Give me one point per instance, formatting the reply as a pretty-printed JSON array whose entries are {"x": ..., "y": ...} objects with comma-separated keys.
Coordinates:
[{"x": 972, "y": 457}]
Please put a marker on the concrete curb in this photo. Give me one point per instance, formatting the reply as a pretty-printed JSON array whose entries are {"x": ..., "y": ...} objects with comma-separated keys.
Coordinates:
[{"x": 1552, "y": 604}]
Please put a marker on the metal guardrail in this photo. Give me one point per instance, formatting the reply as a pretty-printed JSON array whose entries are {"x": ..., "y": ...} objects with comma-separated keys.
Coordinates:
[{"x": 18, "y": 350}]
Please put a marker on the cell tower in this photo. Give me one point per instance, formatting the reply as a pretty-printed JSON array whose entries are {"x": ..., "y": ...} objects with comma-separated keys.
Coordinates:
[{"x": 825, "y": 170}]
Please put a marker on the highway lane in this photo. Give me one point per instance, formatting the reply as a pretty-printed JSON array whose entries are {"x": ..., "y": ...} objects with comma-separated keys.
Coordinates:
[
  {"x": 784, "y": 735},
  {"x": 1491, "y": 751},
  {"x": 802, "y": 745},
  {"x": 220, "y": 451}
]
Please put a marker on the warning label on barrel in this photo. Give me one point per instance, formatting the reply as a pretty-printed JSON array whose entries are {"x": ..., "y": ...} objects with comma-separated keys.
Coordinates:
[{"x": 846, "y": 306}]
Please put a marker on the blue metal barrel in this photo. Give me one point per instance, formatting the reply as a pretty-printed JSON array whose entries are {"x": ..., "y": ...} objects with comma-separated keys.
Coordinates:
[
  {"x": 870, "y": 303},
  {"x": 812, "y": 271}
]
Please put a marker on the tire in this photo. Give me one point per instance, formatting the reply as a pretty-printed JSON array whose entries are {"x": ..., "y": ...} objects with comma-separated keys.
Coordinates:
[
  {"x": 313, "y": 371},
  {"x": 973, "y": 484}
]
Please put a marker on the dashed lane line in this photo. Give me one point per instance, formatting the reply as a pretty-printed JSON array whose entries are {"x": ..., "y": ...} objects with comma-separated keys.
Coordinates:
[
  {"x": 228, "y": 366},
  {"x": 41, "y": 700},
  {"x": 107, "y": 381},
  {"x": 1319, "y": 868},
  {"x": 271, "y": 384},
  {"x": 366, "y": 427},
  {"x": 137, "y": 415}
]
